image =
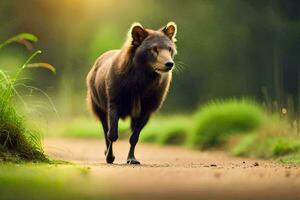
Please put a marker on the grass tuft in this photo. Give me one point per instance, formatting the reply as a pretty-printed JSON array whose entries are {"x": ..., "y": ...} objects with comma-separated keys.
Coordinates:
[
  {"x": 17, "y": 141},
  {"x": 272, "y": 141},
  {"x": 216, "y": 121}
]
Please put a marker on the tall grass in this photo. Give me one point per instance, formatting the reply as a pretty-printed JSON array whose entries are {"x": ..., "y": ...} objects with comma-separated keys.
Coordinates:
[
  {"x": 275, "y": 139},
  {"x": 17, "y": 141}
]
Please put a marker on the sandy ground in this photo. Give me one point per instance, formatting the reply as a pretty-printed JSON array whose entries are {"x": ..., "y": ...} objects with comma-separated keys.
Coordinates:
[{"x": 178, "y": 173}]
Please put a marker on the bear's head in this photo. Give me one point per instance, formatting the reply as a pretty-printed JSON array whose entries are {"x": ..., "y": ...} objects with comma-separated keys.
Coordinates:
[{"x": 154, "y": 49}]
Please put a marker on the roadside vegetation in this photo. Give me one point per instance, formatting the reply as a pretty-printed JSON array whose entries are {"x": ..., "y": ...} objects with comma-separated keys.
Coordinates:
[
  {"x": 18, "y": 142},
  {"x": 276, "y": 139},
  {"x": 216, "y": 121},
  {"x": 241, "y": 127}
]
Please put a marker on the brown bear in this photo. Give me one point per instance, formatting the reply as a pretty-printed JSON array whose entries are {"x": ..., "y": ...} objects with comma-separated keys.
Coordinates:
[{"x": 132, "y": 81}]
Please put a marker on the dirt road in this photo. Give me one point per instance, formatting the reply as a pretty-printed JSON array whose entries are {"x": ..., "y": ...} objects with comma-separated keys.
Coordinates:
[{"x": 178, "y": 173}]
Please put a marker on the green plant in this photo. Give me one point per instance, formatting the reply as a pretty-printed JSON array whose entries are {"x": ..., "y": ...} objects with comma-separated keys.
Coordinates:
[
  {"x": 44, "y": 181},
  {"x": 167, "y": 130},
  {"x": 272, "y": 140},
  {"x": 89, "y": 128},
  {"x": 283, "y": 147},
  {"x": 175, "y": 135},
  {"x": 17, "y": 141},
  {"x": 215, "y": 121}
]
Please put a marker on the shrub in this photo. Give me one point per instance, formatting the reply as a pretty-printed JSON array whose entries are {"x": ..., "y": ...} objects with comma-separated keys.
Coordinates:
[
  {"x": 175, "y": 135},
  {"x": 167, "y": 130},
  {"x": 215, "y": 121}
]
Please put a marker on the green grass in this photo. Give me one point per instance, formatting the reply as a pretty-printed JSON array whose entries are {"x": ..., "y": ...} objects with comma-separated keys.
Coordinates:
[
  {"x": 82, "y": 127},
  {"x": 292, "y": 158},
  {"x": 44, "y": 181},
  {"x": 274, "y": 140},
  {"x": 238, "y": 126},
  {"x": 215, "y": 122},
  {"x": 208, "y": 127},
  {"x": 172, "y": 129},
  {"x": 17, "y": 141},
  {"x": 89, "y": 128},
  {"x": 161, "y": 129}
]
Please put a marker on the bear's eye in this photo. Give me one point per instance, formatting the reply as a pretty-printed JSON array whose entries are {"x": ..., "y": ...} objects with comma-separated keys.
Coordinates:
[
  {"x": 170, "y": 49},
  {"x": 155, "y": 49}
]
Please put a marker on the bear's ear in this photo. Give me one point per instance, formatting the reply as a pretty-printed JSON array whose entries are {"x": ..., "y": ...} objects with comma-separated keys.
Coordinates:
[
  {"x": 170, "y": 30},
  {"x": 138, "y": 34}
]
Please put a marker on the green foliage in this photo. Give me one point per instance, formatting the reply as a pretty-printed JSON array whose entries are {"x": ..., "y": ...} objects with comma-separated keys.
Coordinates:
[
  {"x": 82, "y": 128},
  {"x": 24, "y": 38},
  {"x": 284, "y": 146},
  {"x": 292, "y": 158},
  {"x": 17, "y": 141},
  {"x": 266, "y": 147},
  {"x": 273, "y": 140},
  {"x": 88, "y": 128},
  {"x": 44, "y": 181},
  {"x": 167, "y": 130},
  {"x": 162, "y": 129},
  {"x": 175, "y": 135},
  {"x": 244, "y": 146},
  {"x": 216, "y": 121}
]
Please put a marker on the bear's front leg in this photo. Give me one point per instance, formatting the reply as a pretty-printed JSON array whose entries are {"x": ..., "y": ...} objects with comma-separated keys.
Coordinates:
[{"x": 137, "y": 124}]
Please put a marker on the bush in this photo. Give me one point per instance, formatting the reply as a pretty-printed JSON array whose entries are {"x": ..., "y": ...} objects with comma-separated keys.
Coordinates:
[
  {"x": 216, "y": 121},
  {"x": 174, "y": 135},
  {"x": 167, "y": 130}
]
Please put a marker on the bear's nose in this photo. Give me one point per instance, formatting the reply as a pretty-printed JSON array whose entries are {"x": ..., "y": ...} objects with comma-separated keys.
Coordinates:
[{"x": 169, "y": 64}]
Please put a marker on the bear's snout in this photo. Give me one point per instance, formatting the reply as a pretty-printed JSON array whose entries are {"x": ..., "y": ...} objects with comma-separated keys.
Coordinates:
[{"x": 169, "y": 65}]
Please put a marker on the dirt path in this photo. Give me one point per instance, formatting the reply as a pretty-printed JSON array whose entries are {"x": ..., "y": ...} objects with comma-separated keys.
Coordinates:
[{"x": 177, "y": 173}]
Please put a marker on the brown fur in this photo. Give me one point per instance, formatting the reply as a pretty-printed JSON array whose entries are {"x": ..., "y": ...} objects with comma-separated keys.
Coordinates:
[{"x": 132, "y": 81}]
